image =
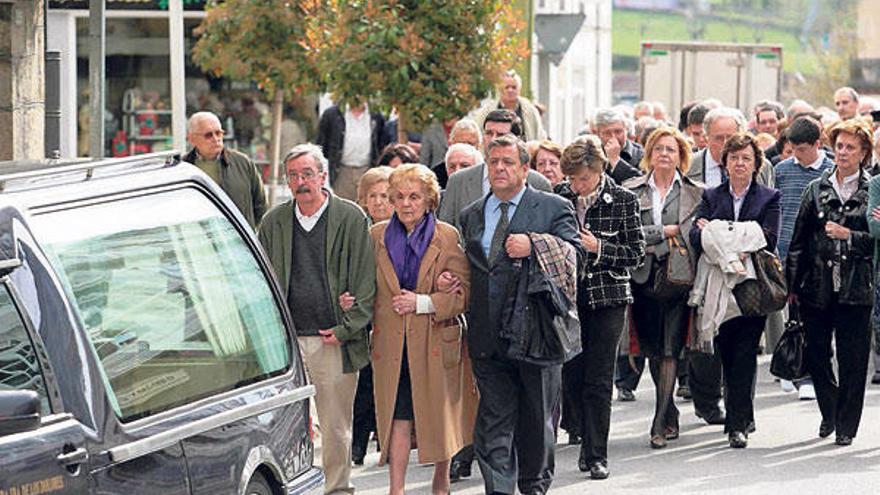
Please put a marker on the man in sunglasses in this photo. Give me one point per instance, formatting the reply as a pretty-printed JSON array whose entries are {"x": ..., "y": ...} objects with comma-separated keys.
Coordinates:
[{"x": 233, "y": 171}]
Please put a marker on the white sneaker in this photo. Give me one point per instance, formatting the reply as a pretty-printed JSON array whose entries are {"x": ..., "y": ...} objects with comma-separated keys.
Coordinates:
[
  {"x": 787, "y": 386},
  {"x": 806, "y": 392}
]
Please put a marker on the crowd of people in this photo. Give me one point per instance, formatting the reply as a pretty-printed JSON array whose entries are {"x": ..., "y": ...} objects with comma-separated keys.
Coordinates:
[{"x": 478, "y": 297}]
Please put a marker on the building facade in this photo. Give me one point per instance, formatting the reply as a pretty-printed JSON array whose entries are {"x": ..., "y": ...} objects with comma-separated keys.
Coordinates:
[{"x": 574, "y": 82}]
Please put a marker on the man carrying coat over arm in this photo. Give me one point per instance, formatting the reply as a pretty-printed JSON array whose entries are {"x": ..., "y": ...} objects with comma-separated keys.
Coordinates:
[{"x": 514, "y": 437}]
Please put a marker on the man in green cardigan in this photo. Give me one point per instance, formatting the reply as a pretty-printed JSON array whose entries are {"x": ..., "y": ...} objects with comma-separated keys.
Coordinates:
[
  {"x": 232, "y": 170},
  {"x": 319, "y": 246}
]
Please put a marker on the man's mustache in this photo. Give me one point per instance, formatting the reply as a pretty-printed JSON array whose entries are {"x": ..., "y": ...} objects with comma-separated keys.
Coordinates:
[{"x": 303, "y": 189}]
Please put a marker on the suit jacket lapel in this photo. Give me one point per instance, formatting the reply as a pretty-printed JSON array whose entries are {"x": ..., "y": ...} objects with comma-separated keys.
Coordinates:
[
  {"x": 689, "y": 200},
  {"x": 474, "y": 186},
  {"x": 429, "y": 259},
  {"x": 727, "y": 202},
  {"x": 475, "y": 236},
  {"x": 385, "y": 265},
  {"x": 522, "y": 218},
  {"x": 747, "y": 201}
]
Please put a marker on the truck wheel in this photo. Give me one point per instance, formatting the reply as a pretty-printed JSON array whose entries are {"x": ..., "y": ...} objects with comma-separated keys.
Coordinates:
[{"x": 258, "y": 486}]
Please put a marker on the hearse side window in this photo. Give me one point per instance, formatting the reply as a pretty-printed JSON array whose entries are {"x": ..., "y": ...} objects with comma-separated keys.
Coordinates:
[
  {"x": 173, "y": 300},
  {"x": 19, "y": 366}
]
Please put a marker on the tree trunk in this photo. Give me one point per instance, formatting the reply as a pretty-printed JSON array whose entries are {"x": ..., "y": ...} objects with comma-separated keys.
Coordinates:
[
  {"x": 277, "y": 111},
  {"x": 402, "y": 135}
]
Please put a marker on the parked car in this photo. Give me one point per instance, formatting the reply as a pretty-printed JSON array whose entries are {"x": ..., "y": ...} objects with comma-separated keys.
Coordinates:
[{"x": 145, "y": 347}]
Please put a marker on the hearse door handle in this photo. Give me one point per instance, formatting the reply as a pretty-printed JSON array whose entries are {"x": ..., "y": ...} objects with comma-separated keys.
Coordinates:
[{"x": 74, "y": 457}]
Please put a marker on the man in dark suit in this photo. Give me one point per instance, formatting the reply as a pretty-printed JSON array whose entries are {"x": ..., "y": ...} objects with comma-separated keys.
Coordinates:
[
  {"x": 472, "y": 183},
  {"x": 513, "y": 438}
]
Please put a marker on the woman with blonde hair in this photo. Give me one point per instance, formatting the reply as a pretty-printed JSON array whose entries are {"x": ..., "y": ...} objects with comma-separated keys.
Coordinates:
[
  {"x": 668, "y": 200},
  {"x": 829, "y": 270},
  {"x": 420, "y": 369},
  {"x": 372, "y": 196}
]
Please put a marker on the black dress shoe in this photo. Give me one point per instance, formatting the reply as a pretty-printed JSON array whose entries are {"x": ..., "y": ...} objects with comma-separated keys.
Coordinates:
[
  {"x": 574, "y": 439},
  {"x": 358, "y": 453},
  {"x": 825, "y": 429},
  {"x": 583, "y": 465},
  {"x": 684, "y": 392},
  {"x": 843, "y": 440},
  {"x": 714, "y": 417},
  {"x": 459, "y": 470},
  {"x": 738, "y": 439},
  {"x": 658, "y": 442},
  {"x": 599, "y": 470},
  {"x": 625, "y": 395}
]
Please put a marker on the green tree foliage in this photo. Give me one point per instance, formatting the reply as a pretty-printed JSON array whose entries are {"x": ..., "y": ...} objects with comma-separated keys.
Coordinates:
[
  {"x": 265, "y": 41},
  {"x": 430, "y": 59}
]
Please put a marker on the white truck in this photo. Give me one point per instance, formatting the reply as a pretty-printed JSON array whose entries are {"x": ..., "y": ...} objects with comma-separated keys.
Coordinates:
[{"x": 738, "y": 74}]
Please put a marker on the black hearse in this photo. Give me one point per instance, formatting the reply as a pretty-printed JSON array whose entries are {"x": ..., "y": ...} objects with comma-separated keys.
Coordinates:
[{"x": 145, "y": 347}]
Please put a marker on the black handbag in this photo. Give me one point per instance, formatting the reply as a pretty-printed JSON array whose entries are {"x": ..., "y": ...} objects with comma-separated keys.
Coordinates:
[
  {"x": 788, "y": 361},
  {"x": 767, "y": 292},
  {"x": 673, "y": 276}
]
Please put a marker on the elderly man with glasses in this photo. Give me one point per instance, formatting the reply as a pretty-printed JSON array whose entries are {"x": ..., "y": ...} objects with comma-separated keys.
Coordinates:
[
  {"x": 319, "y": 245},
  {"x": 233, "y": 171}
]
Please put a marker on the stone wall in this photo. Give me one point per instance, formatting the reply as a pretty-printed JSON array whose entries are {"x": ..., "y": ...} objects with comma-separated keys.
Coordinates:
[{"x": 22, "y": 86}]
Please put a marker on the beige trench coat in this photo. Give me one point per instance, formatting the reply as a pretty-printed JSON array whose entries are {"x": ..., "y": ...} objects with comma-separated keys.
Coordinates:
[{"x": 443, "y": 390}]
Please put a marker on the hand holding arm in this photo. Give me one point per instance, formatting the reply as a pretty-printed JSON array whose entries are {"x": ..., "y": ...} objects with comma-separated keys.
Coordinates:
[
  {"x": 518, "y": 246},
  {"x": 346, "y": 301},
  {"x": 448, "y": 283},
  {"x": 404, "y": 303}
]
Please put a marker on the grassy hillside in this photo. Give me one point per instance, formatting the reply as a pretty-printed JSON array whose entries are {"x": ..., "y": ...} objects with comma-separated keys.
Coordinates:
[{"x": 630, "y": 27}]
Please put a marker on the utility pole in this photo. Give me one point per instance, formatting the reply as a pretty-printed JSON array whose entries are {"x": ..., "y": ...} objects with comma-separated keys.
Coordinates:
[
  {"x": 178, "y": 78},
  {"x": 96, "y": 78}
]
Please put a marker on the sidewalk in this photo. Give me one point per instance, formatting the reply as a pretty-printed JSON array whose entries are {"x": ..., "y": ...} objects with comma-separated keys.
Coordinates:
[{"x": 784, "y": 456}]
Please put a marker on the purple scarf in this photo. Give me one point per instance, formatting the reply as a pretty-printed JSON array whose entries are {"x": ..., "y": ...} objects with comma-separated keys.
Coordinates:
[{"x": 406, "y": 253}]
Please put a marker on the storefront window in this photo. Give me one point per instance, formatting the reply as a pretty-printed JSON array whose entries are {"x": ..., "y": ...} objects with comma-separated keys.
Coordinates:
[
  {"x": 245, "y": 111},
  {"x": 138, "y": 94}
]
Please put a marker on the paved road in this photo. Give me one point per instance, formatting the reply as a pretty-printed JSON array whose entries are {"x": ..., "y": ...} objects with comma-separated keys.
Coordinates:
[{"x": 785, "y": 456}]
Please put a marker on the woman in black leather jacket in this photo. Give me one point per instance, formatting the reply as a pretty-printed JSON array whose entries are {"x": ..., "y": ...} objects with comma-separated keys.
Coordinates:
[
  {"x": 830, "y": 278},
  {"x": 611, "y": 233}
]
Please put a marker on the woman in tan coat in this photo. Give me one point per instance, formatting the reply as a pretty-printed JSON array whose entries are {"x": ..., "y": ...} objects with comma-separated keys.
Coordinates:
[{"x": 420, "y": 370}]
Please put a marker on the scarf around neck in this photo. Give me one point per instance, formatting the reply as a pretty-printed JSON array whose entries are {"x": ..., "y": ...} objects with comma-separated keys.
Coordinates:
[{"x": 406, "y": 252}]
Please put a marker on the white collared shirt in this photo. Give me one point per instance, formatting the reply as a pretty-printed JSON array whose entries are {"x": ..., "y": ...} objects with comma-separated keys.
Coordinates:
[
  {"x": 356, "y": 143},
  {"x": 309, "y": 222},
  {"x": 849, "y": 186},
  {"x": 713, "y": 175},
  {"x": 658, "y": 201},
  {"x": 738, "y": 200},
  {"x": 817, "y": 164}
]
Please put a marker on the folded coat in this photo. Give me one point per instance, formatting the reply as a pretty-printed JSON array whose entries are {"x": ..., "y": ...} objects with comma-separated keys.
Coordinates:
[
  {"x": 542, "y": 325},
  {"x": 719, "y": 270}
]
